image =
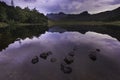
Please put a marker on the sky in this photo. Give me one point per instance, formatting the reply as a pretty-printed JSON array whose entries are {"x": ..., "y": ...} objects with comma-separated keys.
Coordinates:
[
  {"x": 15, "y": 60},
  {"x": 67, "y": 6}
]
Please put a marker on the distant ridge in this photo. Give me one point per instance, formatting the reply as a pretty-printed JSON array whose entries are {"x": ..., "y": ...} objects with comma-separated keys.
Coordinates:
[{"x": 113, "y": 15}]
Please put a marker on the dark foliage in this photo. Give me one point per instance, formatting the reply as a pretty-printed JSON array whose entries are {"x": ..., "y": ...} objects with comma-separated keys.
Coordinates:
[{"x": 16, "y": 14}]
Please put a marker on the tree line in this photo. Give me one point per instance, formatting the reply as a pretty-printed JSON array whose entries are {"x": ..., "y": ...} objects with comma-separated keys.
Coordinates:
[{"x": 10, "y": 14}]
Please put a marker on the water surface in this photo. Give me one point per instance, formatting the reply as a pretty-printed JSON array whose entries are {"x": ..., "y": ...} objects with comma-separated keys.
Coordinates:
[
  {"x": 73, "y": 56},
  {"x": 79, "y": 53}
]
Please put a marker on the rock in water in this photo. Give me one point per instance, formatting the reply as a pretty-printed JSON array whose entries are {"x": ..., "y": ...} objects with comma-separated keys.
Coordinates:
[
  {"x": 66, "y": 69},
  {"x": 68, "y": 60},
  {"x": 45, "y": 54},
  {"x": 98, "y": 50},
  {"x": 93, "y": 57},
  {"x": 35, "y": 60}
]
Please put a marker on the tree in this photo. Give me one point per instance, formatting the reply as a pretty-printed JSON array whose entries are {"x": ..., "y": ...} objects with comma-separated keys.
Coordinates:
[{"x": 3, "y": 15}]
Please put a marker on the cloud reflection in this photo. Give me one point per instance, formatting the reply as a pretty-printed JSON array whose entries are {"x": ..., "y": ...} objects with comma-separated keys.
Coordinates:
[{"x": 16, "y": 63}]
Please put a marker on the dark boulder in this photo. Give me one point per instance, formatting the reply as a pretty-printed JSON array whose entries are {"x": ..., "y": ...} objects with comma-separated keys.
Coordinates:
[
  {"x": 93, "y": 57},
  {"x": 68, "y": 60},
  {"x": 65, "y": 69},
  {"x": 98, "y": 50},
  {"x": 45, "y": 54},
  {"x": 35, "y": 60}
]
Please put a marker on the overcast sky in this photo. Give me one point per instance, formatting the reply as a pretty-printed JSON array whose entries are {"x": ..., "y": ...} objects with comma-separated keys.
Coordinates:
[{"x": 68, "y": 6}]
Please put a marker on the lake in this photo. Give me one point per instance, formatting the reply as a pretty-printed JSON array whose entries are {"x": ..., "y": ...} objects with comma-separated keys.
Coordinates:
[
  {"x": 10, "y": 34},
  {"x": 60, "y": 53}
]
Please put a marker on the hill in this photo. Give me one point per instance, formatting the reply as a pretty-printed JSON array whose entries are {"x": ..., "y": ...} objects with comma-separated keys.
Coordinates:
[{"x": 113, "y": 15}]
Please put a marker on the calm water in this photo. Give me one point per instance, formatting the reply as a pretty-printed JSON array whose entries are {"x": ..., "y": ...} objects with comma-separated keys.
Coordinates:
[
  {"x": 10, "y": 34},
  {"x": 113, "y": 31},
  {"x": 79, "y": 53}
]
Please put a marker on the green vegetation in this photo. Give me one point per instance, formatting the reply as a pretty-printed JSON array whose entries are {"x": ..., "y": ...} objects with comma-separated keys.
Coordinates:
[
  {"x": 19, "y": 23},
  {"x": 91, "y": 23},
  {"x": 2, "y": 24},
  {"x": 16, "y": 15}
]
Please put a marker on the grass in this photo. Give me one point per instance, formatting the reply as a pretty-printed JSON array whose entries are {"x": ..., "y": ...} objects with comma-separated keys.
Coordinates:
[
  {"x": 91, "y": 23},
  {"x": 68, "y": 23},
  {"x": 27, "y": 24},
  {"x": 2, "y": 24}
]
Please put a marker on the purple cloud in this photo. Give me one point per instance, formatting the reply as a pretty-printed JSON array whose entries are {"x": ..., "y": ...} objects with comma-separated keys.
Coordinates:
[
  {"x": 115, "y": 2},
  {"x": 67, "y": 6}
]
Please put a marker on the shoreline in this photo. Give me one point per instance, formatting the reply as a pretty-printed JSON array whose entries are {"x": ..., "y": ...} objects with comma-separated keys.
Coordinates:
[
  {"x": 91, "y": 23},
  {"x": 64, "y": 23},
  {"x": 2, "y": 24}
]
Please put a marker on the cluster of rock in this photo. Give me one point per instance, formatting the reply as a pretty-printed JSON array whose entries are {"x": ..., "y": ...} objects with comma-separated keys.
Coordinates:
[
  {"x": 67, "y": 61},
  {"x": 93, "y": 54},
  {"x": 44, "y": 56},
  {"x": 64, "y": 67}
]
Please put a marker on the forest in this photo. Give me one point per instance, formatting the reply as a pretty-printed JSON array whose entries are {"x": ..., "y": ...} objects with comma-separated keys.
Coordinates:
[{"x": 11, "y": 14}]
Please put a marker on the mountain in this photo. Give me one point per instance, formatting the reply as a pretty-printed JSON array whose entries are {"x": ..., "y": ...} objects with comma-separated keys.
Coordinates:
[{"x": 113, "y": 15}]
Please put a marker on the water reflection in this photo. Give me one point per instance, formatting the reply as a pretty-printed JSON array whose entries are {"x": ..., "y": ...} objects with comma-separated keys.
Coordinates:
[
  {"x": 113, "y": 31},
  {"x": 68, "y": 55},
  {"x": 57, "y": 29},
  {"x": 11, "y": 33}
]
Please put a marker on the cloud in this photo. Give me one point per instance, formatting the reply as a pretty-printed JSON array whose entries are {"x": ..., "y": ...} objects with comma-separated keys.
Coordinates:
[{"x": 68, "y": 6}]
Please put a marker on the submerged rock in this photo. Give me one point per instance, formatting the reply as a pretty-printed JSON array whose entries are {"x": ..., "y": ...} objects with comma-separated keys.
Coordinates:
[
  {"x": 68, "y": 60},
  {"x": 35, "y": 60},
  {"x": 98, "y": 50},
  {"x": 65, "y": 69},
  {"x": 45, "y": 54},
  {"x": 93, "y": 57}
]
